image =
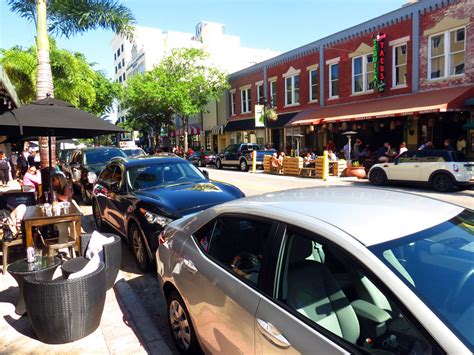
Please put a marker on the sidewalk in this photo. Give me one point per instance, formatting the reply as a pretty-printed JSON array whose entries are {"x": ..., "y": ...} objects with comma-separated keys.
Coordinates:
[{"x": 125, "y": 326}]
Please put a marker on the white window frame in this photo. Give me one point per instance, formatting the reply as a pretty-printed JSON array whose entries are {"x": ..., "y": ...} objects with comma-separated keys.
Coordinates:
[
  {"x": 293, "y": 90},
  {"x": 365, "y": 83},
  {"x": 259, "y": 98},
  {"x": 311, "y": 85},
  {"x": 331, "y": 96},
  {"x": 447, "y": 54},
  {"x": 245, "y": 103},
  {"x": 232, "y": 103},
  {"x": 394, "y": 66},
  {"x": 273, "y": 93}
]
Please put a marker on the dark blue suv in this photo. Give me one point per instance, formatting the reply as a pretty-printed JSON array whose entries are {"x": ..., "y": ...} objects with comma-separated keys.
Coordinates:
[{"x": 139, "y": 197}]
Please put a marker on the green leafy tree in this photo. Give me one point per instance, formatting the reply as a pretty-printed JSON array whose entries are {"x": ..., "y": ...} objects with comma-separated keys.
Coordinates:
[
  {"x": 74, "y": 78},
  {"x": 190, "y": 84},
  {"x": 146, "y": 102},
  {"x": 67, "y": 18}
]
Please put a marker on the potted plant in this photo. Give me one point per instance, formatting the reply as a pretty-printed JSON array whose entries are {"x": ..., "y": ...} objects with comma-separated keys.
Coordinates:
[{"x": 356, "y": 169}]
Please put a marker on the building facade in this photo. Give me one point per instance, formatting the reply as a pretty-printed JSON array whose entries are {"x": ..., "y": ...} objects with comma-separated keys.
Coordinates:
[
  {"x": 406, "y": 76},
  {"x": 151, "y": 45}
]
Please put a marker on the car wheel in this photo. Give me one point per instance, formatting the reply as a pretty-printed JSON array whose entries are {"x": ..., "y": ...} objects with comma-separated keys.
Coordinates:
[
  {"x": 139, "y": 248},
  {"x": 97, "y": 217},
  {"x": 86, "y": 197},
  {"x": 442, "y": 183},
  {"x": 378, "y": 177},
  {"x": 181, "y": 326},
  {"x": 244, "y": 165},
  {"x": 200, "y": 163},
  {"x": 218, "y": 164}
]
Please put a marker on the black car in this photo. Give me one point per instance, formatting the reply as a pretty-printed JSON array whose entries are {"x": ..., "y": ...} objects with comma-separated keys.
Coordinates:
[
  {"x": 202, "y": 159},
  {"x": 139, "y": 197},
  {"x": 85, "y": 164}
]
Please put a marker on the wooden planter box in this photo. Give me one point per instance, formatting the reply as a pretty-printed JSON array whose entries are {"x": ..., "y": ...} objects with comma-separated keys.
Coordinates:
[
  {"x": 292, "y": 165},
  {"x": 267, "y": 164}
]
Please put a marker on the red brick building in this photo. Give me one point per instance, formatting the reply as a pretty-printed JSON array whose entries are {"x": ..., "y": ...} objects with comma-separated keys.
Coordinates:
[{"x": 406, "y": 76}]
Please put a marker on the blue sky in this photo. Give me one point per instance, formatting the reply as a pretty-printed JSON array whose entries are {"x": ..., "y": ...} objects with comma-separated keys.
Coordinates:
[{"x": 276, "y": 24}]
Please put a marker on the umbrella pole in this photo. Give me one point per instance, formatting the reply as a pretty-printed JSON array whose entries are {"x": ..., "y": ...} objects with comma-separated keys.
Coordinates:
[{"x": 50, "y": 166}]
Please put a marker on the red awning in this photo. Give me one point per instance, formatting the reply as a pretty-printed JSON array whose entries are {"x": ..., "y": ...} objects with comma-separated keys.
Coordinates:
[
  {"x": 192, "y": 130},
  {"x": 431, "y": 101}
]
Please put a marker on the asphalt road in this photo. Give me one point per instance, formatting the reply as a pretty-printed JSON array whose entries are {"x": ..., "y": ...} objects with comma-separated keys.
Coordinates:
[{"x": 145, "y": 284}]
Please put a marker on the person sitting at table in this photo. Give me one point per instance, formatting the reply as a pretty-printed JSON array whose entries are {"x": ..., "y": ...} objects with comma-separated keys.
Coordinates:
[
  {"x": 280, "y": 159},
  {"x": 275, "y": 163},
  {"x": 308, "y": 162},
  {"x": 62, "y": 188},
  {"x": 331, "y": 156},
  {"x": 31, "y": 180}
]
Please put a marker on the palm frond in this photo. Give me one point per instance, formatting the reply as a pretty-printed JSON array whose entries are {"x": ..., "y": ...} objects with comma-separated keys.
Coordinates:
[{"x": 25, "y": 8}]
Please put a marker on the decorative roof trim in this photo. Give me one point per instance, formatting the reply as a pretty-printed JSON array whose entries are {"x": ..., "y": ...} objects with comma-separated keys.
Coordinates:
[
  {"x": 312, "y": 67},
  {"x": 398, "y": 41},
  {"x": 445, "y": 24},
  {"x": 396, "y": 16},
  {"x": 245, "y": 87},
  {"x": 333, "y": 61},
  {"x": 363, "y": 49},
  {"x": 291, "y": 72}
]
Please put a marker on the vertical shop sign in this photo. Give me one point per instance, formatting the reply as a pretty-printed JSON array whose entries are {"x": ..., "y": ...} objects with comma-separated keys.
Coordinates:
[{"x": 379, "y": 61}]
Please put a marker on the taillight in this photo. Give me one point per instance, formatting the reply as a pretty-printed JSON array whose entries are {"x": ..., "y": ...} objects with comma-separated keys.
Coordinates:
[
  {"x": 161, "y": 237},
  {"x": 206, "y": 157}
]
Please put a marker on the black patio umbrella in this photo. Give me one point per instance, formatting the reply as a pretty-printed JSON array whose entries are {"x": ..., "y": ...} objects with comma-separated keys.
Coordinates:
[{"x": 54, "y": 118}]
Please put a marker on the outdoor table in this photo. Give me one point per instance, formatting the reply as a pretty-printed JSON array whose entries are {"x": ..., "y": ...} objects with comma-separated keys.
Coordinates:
[
  {"x": 44, "y": 266},
  {"x": 35, "y": 217}
]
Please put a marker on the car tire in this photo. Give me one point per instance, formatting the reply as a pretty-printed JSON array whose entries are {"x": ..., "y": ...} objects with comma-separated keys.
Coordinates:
[
  {"x": 181, "y": 326},
  {"x": 97, "y": 217},
  {"x": 86, "y": 198},
  {"x": 244, "y": 166},
  {"x": 218, "y": 164},
  {"x": 378, "y": 177},
  {"x": 139, "y": 250},
  {"x": 442, "y": 182}
]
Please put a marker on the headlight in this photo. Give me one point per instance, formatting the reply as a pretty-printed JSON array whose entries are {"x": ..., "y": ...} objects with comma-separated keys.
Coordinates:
[
  {"x": 91, "y": 177},
  {"x": 154, "y": 218}
]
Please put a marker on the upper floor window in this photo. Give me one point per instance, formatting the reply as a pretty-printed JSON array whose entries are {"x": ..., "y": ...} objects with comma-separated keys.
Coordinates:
[
  {"x": 273, "y": 93},
  {"x": 115, "y": 69},
  {"x": 362, "y": 73},
  {"x": 260, "y": 100},
  {"x": 292, "y": 90},
  {"x": 334, "y": 80},
  {"x": 246, "y": 100},
  {"x": 115, "y": 56},
  {"x": 120, "y": 65},
  {"x": 122, "y": 47},
  {"x": 400, "y": 65},
  {"x": 232, "y": 103},
  {"x": 313, "y": 85},
  {"x": 123, "y": 76},
  {"x": 123, "y": 62},
  {"x": 447, "y": 53},
  {"x": 118, "y": 52}
]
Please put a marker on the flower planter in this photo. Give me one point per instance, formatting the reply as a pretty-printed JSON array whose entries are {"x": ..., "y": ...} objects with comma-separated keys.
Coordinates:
[{"x": 357, "y": 171}]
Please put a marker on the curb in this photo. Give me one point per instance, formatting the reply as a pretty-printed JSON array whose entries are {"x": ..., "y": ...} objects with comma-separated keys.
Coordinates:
[{"x": 147, "y": 331}]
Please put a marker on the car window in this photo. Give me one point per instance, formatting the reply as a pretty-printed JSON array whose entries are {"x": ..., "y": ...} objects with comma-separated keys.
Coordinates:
[
  {"x": 102, "y": 156},
  {"x": 237, "y": 243},
  {"x": 333, "y": 293},
  {"x": 409, "y": 157},
  {"x": 106, "y": 174}
]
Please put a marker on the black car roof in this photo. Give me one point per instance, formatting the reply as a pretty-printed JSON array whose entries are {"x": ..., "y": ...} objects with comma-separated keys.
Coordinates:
[{"x": 148, "y": 160}]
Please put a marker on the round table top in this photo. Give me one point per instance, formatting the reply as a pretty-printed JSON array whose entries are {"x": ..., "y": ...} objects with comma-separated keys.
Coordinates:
[{"x": 24, "y": 267}]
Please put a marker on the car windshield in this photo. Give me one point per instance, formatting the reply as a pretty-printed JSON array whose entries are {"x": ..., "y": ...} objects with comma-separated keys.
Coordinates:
[
  {"x": 438, "y": 265},
  {"x": 134, "y": 152},
  {"x": 101, "y": 156},
  {"x": 163, "y": 174}
]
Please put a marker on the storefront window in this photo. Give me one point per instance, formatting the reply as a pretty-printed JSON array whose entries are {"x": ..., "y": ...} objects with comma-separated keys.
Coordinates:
[
  {"x": 260, "y": 94},
  {"x": 447, "y": 53},
  {"x": 273, "y": 93},
  {"x": 400, "y": 65},
  {"x": 362, "y": 73},
  {"x": 313, "y": 85},
  {"x": 334, "y": 79},
  {"x": 292, "y": 89},
  {"x": 232, "y": 103},
  {"x": 246, "y": 100}
]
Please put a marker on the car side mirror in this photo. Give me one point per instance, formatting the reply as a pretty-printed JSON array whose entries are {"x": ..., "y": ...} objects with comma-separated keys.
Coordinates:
[{"x": 205, "y": 173}]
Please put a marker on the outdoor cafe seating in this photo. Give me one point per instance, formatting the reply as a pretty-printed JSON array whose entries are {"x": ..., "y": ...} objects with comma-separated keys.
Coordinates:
[{"x": 63, "y": 297}]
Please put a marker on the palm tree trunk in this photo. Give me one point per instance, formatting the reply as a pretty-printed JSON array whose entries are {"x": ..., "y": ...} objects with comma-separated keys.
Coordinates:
[{"x": 44, "y": 78}]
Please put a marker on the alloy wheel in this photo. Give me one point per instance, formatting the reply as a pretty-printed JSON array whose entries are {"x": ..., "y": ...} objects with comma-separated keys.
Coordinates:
[
  {"x": 442, "y": 183},
  {"x": 139, "y": 249},
  {"x": 377, "y": 177},
  {"x": 179, "y": 325},
  {"x": 244, "y": 166}
]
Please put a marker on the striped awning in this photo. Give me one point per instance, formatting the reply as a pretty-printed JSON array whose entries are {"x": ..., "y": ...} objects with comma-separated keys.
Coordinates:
[
  {"x": 192, "y": 130},
  {"x": 218, "y": 129}
]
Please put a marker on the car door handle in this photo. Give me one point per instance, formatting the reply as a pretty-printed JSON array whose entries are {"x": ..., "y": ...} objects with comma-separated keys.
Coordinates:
[
  {"x": 270, "y": 332},
  {"x": 416, "y": 166},
  {"x": 189, "y": 265}
]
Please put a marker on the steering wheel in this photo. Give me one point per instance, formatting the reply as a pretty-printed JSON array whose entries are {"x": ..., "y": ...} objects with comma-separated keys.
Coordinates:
[{"x": 452, "y": 301}]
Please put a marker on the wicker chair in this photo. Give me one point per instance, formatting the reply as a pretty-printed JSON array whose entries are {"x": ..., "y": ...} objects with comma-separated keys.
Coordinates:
[
  {"x": 112, "y": 256},
  {"x": 62, "y": 311}
]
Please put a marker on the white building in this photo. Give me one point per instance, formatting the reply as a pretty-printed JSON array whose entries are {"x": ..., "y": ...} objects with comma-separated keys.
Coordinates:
[{"x": 151, "y": 45}]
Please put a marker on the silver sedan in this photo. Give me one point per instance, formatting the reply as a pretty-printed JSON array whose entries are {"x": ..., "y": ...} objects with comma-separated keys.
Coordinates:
[{"x": 326, "y": 271}]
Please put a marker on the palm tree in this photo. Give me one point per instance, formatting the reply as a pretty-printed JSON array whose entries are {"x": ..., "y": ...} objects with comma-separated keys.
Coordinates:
[{"x": 68, "y": 18}]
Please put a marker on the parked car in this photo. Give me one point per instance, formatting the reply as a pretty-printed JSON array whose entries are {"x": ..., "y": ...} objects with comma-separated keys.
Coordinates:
[
  {"x": 64, "y": 156},
  {"x": 240, "y": 156},
  {"x": 306, "y": 271},
  {"x": 440, "y": 169},
  {"x": 202, "y": 159},
  {"x": 139, "y": 197},
  {"x": 134, "y": 152},
  {"x": 85, "y": 164}
]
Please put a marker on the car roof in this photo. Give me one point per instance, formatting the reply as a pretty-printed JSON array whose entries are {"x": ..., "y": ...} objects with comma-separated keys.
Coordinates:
[
  {"x": 150, "y": 159},
  {"x": 370, "y": 215}
]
